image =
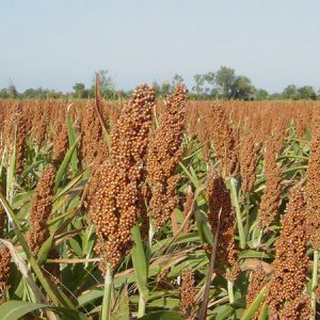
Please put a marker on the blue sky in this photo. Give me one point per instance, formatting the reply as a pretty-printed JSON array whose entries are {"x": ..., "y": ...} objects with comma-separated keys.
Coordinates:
[{"x": 54, "y": 44}]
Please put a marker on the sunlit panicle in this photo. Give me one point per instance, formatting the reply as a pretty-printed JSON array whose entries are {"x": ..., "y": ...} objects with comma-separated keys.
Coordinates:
[
  {"x": 271, "y": 197},
  {"x": 224, "y": 140},
  {"x": 114, "y": 207},
  {"x": 248, "y": 156},
  {"x": 313, "y": 185},
  {"x": 287, "y": 296},
  {"x": 257, "y": 282},
  {"x": 40, "y": 211},
  {"x": 60, "y": 141},
  {"x": 164, "y": 151}
]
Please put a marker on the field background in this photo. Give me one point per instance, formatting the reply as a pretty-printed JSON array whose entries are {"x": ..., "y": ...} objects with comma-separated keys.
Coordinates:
[{"x": 236, "y": 164}]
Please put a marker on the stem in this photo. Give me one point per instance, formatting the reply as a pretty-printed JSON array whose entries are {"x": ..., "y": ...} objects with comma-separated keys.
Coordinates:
[
  {"x": 142, "y": 306},
  {"x": 151, "y": 234},
  {"x": 314, "y": 282},
  {"x": 108, "y": 280},
  {"x": 230, "y": 291},
  {"x": 235, "y": 201}
]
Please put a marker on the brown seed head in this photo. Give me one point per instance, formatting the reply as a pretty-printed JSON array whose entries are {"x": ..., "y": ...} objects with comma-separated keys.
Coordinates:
[
  {"x": 220, "y": 204},
  {"x": 114, "y": 206},
  {"x": 163, "y": 155},
  {"x": 248, "y": 156},
  {"x": 271, "y": 197},
  {"x": 256, "y": 283},
  {"x": 286, "y": 290},
  {"x": 224, "y": 139},
  {"x": 187, "y": 294},
  {"x": 313, "y": 186},
  {"x": 40, "y": 211},
  {"x": 5, "y": 259},
  {"x": 60, "y": 141}
]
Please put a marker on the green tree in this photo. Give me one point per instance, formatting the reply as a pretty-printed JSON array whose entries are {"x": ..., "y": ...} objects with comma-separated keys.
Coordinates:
[
  {"x": 290, "y": 92},
  {"x": 165, "y": 89},
  {"x": 177, "y": 79},
  {"x": 307, "y": 93},
  {"x": 80, "y": 90},
  {"x": 12, "y": 91},
  {"x": 210, "y": 79},
  {"x": 261, "y": 94},
  {"x": 225, "y": 80},
  {"x": 4, "y": 93},
  {"x": 242, "y": 88},
  {"x": 199, "y": 80}
]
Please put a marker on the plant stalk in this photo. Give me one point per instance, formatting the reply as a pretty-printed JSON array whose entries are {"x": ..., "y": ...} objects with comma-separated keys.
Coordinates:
[
  {"x": 108, "y": 281},
  {"x": 230, "y": 292},
  {"x": 235, "y": 201}
]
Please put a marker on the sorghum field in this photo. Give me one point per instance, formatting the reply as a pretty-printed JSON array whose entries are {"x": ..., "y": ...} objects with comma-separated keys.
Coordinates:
[{"x": 159, "y": 209}]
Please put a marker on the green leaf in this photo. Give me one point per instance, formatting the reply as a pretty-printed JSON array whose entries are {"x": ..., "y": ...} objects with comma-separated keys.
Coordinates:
[
  {"x": 192, "y": 176},
  {"x": 14, "y": 310},
  {"x": 72, "y": 140},
  {"x": 204, "y": 231},
  {"x": 264, "y": 312},
  {"x": 122, "y": 311},
  {"x": 44, "y": 250},
  {"x": 140, "y": 264},
  {"x": 64, "y": 166},
  {"x": 10, "y": 173},
  {"x": 224, "y": 312}
]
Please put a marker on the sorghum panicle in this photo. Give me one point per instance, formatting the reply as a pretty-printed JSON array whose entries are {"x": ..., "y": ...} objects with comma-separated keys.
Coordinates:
[
  {"x": 39, "y": 126},
  {"x": 60, "y": 141},
  {"x": 313, "y": 186},
  {"x": 271, "y": 197},
  {"x": 164, "y": 151},
  {"x": 5, "y": 259},
  {"x": 93, "y": 149},
  {"x": 20, "y": 127},
  {"x": 114, "y": 206},
  {"x": 224, "y": 139},
  {"x": 279, "y": 133},
  {"x": 40, "y": 211},
  {"x": 162, "y": 280},
  {"x": 187, "y": 294},
  {"x": 248, "y": 156},
  {"x": 220, "y": 203},
  {"x": 256, "y": 283},
  {"x": 286, "y": 290}
]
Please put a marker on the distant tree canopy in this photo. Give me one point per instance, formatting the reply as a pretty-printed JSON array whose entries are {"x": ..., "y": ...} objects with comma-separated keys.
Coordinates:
[{"x": 224, "y": 84}]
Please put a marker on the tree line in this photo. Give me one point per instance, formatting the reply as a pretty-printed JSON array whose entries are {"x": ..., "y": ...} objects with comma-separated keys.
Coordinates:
[{"x": 222, "y": 84}]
